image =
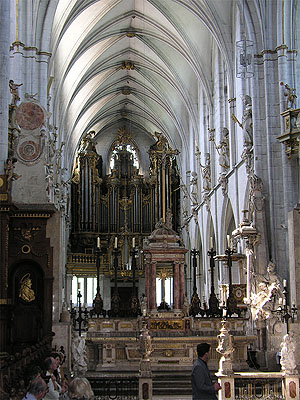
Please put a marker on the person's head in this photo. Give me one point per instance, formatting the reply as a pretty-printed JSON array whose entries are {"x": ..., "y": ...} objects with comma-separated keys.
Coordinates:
[
  {"x": 50, "y": 364},
  {"x": 203, "y": 351},
  {"x": 57, "y": 358},
  {"x": 38, "y": 388},
  {"x": 80, "y": 389},
  {"x": 31, "y": 373}
]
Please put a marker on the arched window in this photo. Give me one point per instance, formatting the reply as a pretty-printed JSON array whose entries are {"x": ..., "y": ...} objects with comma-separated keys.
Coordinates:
[{"x": 124, "y": 143}]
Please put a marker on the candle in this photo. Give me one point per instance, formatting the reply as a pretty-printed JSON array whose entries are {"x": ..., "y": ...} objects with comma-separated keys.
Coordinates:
[
  {"x": 284, "y": 283},
  {"x": 78, "y": 285},
  {"x": 280, "y": 301},
  {"x": 133, "y": 242},
  {"x": 228, "y": 241},
  {"x": 116, "y": 242},
  {"x": 224, "y": 312},
  {"x": 211, "y": 242},
  {"x": 98, "y": 242},
  {"x": 84, "y": 305}
]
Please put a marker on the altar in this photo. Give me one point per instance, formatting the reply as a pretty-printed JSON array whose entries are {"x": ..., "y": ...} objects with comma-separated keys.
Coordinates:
[{"x": 113, "y": 343}]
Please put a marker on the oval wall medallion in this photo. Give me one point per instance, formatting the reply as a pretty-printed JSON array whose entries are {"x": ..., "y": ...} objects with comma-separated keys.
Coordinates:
[{"x": 30, "y": 116}]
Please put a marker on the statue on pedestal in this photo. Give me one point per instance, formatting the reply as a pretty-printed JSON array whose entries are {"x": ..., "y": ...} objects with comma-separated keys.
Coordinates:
[
  {"x": 247, "y": 122},
  {"x": 79, "y": 355},
  {"x": 145, "y": 342},
  {"x": 288, "y": 349},
  {"x": 225, "y": 348}
]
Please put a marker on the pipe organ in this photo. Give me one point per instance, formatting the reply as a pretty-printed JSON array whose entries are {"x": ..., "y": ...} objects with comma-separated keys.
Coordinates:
[{"x": 122, "y": 204}]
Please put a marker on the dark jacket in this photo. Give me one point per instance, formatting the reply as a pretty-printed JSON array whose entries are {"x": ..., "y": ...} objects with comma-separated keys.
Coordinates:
[{"x": 202, "y": 385}]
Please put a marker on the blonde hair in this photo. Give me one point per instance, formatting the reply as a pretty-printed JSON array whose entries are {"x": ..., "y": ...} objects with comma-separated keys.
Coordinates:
[{"x": 80, "y": 388}]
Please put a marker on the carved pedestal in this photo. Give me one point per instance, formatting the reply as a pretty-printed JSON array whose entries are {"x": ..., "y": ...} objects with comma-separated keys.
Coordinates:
[{"x": 145, "y": 380}]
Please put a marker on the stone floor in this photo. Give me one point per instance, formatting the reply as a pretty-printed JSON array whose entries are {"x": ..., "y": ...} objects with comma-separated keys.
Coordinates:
[{"x": 171, "y": 398}]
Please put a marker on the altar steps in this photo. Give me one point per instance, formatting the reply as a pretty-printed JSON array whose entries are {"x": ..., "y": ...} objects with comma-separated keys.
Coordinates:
[
  {"x": 165, "y": 384},
  {"x": 172, "y": 384}
]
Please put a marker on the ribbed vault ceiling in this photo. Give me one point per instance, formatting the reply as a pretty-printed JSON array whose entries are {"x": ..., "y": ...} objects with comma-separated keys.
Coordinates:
[{"x": 137, "y": 64}]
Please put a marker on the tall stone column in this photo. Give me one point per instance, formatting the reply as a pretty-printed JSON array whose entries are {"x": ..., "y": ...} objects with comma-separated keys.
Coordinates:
[
  {"x": 152, "y": 289},
  {"x": 176, "y": 287},
  {"x": 181, "y": 285}
]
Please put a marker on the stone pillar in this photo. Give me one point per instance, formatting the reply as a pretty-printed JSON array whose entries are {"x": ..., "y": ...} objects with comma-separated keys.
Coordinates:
[
  {"x": 181, "y": 285},
  {"x": 145, "y": 380},
  {"x": 227, "y": 386},
  {"x": 291, "y": 387},
  {"x": 176, "y": 287},
  {"x": 147, "y": 281},
  {"x": 152, "y": 288}
]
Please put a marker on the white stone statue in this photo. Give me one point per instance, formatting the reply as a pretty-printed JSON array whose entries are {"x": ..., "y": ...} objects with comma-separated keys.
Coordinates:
[
  {"x": 186, "y": 306},
  {"x": 223, "y": 149},
  {"x": 226, "y": 349},
  {"x": 79, "y": 355},
  {"x": 206, "y": 173},
  {"x": 268, "y": 291},
  {"x": 288, "y": 349},
  {"x": 247, "y": 122},
  {"x": 143, "y": 303},
  {"x": 194, "y": 185},
  {"x": 290, "y": 94},
  {"x": 261, "y": 305}
]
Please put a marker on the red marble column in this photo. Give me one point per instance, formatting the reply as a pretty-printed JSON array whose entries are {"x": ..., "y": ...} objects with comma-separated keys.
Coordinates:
[
  {"x": 147, "y": 282},
  {"x": 176, "y": 287},
  {"x": 181, "y": 284},
  {"x": 152, "y": 288}
]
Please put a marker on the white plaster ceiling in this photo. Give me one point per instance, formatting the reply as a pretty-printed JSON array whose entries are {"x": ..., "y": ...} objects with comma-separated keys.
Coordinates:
[{"x": 170, "y": 44}]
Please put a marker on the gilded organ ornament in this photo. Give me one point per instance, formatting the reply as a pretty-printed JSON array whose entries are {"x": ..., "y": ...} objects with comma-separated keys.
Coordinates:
[{"x": 26, "y": 293}]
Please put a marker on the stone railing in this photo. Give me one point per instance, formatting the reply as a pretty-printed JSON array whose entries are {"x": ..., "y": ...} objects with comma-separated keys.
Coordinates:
[{"x": 258, "y": 385}]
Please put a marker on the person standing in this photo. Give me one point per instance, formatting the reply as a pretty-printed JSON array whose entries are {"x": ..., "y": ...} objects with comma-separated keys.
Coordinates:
[
  {"x": 54, "y": 388},
  {"x": 202, "y": 386}
]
